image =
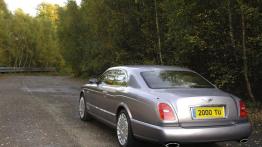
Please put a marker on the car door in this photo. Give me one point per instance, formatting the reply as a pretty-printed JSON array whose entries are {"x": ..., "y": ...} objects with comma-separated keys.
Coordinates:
[
  {"x": 112, "y": 86},
  {"x": 96, "y": 94},
  {"x": 91, "y": 94}
]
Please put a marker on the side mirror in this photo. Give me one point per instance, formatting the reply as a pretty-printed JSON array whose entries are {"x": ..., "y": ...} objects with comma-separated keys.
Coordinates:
[{"x": 93, "y": 81}]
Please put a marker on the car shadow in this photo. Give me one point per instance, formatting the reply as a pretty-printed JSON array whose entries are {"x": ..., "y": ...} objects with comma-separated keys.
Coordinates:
[
  {"x": 201, "y": 145},
  {"x": 110, "y": 131},
  {"x": 147, "y": 144}
]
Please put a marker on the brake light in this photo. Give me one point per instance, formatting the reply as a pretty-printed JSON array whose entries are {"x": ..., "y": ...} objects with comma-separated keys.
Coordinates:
[
  {"x": 166, "y": 112},
  {"x": 243, "y": 109}
]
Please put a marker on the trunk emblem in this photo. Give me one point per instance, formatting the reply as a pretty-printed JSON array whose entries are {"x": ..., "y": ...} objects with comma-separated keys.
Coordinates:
[{"x": 208, "y": 100}]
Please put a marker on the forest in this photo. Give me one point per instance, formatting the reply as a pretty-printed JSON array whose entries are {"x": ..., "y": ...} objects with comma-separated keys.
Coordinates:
[{"x": 220, "y": 39}]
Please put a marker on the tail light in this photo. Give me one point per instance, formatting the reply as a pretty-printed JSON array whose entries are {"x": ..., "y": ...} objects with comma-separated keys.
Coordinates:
[
  {"x": 243, "y": 109},
  {"x": 166, "y": 112}
]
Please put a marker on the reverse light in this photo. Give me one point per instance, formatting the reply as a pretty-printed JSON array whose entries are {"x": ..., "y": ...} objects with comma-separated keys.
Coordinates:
[
  {"x": 242, "y": 109},
  {"x": 166, "y": 112}
]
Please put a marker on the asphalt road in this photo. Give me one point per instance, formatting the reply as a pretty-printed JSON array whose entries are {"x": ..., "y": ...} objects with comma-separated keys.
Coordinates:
[{"x": 41, "y": 111}]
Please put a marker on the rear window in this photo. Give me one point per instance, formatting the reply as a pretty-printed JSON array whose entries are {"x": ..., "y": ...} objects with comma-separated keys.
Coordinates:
[{"x": 174, "y": 79}]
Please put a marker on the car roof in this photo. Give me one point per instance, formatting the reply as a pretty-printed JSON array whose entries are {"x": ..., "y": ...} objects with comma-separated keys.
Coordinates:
[{"x": 141, "y": 68}]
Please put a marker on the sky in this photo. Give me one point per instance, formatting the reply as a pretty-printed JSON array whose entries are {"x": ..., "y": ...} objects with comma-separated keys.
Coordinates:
[{"x": 29, "y": 6}]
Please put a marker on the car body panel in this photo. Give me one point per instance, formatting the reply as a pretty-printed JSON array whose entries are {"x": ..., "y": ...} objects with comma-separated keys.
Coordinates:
[
  {"x": 104, "y": 100},
  {"x": 183, "y": 100},
  {"x": 191, "y": 135}
]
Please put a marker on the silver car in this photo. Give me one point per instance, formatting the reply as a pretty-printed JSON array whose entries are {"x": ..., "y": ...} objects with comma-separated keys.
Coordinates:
[{"x": 164, "y": 104}]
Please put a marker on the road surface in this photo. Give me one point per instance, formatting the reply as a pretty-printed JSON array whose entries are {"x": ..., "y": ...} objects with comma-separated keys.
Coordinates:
[{"x": 42, "y": 111}]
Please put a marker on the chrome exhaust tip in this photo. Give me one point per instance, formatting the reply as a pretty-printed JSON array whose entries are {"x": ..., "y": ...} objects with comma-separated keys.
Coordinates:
[
  {"x": 172, "y": 145},
  {"x": 243, "y": 140}
]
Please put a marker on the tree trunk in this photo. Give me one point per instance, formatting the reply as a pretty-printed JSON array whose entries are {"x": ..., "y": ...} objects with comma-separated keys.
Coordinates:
[
  {"x": 158, "y": 34},
  {"x": 16, "y": 60},
  {"x": 231, "y": 31},
  {"x": 26, "y": 58},
  {"x": 21, "y": 58},
  {"x": 248, "y": 84},
  {"x": 30, "y": 61},
  {"x": 10, "y": 59}
]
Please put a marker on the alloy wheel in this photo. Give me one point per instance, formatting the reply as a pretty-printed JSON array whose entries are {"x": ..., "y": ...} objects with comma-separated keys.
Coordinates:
[
  {"x": 122, "y": 129},
  {"x": 82, "y": 107}
]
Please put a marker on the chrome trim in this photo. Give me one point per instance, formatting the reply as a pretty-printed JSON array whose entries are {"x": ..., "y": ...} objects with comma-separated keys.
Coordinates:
[
  {"x": 174, "y": 112},
  {"x": 244, "y": 140},
  {"x": 100, "y": 109},
  {"x": 87, "y": 89},
  {"x": 172, "y": 145},
  {"x": 145, "y": 124},
  {"x": 110, "y": 94}
]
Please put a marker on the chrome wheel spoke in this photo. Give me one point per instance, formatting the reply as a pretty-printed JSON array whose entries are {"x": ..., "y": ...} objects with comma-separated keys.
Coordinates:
[{"x": 122, "y": 129}]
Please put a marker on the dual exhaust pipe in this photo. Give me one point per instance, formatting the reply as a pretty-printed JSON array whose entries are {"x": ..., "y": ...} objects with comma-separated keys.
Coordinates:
[
  {"x": 243, "y": 140},
  {"x": 172, "y": 145},
  {"x": 178, "y": 145}
]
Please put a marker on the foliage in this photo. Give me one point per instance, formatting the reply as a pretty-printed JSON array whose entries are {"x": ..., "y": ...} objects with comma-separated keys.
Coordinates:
[
  {"x": 255, "y": 113},
  {"x": 27, "y": 41},
  {"x": 222, "y": 40},
  {"x": 204, "y": 35}
]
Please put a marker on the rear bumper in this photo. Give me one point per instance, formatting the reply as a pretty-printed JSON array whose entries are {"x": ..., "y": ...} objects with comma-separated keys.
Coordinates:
[{"x": 191, "y": 135}]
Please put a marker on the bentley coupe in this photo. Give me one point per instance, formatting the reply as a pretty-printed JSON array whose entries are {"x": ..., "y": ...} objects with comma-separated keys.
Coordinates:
[{"x": 165, "y": 104}]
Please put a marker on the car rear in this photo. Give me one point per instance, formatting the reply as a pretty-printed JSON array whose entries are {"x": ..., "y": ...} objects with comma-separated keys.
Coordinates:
[
  {"x": 179, "y": 125},
  {"x": 203, "y": 111},
  {"x": 192, "y": 110}
]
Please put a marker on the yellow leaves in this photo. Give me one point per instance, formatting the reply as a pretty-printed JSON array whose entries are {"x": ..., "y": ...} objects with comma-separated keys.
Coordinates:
[{"x": 49, "y": 11}]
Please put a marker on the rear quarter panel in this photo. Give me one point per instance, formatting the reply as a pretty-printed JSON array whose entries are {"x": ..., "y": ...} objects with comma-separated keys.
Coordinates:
[{"x": 142, "y": 105}]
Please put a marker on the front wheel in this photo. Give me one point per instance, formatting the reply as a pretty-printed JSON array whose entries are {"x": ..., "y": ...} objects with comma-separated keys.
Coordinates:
[
  {"x": 83, "y": 113},
  {"x": 124, "y": 132}
]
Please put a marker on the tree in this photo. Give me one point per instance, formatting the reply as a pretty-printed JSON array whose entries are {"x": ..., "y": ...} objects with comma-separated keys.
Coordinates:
[
  {"x": 243, "y": 10},
  {"x": 27, "y": 41},
  {"x": 47, "y": 40},
  {"x": 158, "y": 33},
  {"x": 48, "y": 11},
  {"x": 212, "y": 37},
  {"x": 4, "y": 15},
  {"x": 69, "y": 34}
]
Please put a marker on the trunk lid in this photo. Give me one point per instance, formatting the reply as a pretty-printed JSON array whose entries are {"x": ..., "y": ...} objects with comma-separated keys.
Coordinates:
[{"x": 187, "y": 101}]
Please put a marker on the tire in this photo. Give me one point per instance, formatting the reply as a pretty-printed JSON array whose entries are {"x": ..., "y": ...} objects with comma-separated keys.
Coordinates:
[
  {"x": 83, "y": 112},
  {"x": 123, "y": 121}
]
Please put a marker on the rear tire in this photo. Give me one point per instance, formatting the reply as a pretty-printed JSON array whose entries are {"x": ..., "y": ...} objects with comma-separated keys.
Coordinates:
[
  {"x": 124, "y": 131},
  {"x": 83, "y": 112}
]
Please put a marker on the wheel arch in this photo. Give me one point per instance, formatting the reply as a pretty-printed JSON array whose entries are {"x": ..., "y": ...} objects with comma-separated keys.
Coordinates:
[
  {"x": 82, "y": 93},
  {"x": 124, "y": 106}
]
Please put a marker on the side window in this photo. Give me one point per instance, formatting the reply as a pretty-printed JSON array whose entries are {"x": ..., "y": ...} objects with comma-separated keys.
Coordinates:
[
  {"x": 120, "y": 78},
  {"x": 108, "y": 77},
  {"x": 114, "y": 78}
]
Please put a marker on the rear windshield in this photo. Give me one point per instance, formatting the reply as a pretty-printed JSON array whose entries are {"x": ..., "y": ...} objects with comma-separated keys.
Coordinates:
[{"x": 174, "y": 79}]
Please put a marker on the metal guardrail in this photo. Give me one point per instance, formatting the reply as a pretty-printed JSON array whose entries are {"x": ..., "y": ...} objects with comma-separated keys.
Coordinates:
[{"x": 22, "y": 69}]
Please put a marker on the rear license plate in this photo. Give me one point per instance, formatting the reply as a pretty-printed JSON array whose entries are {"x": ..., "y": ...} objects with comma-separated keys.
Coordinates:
[{"x": 208, "y": 112}]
